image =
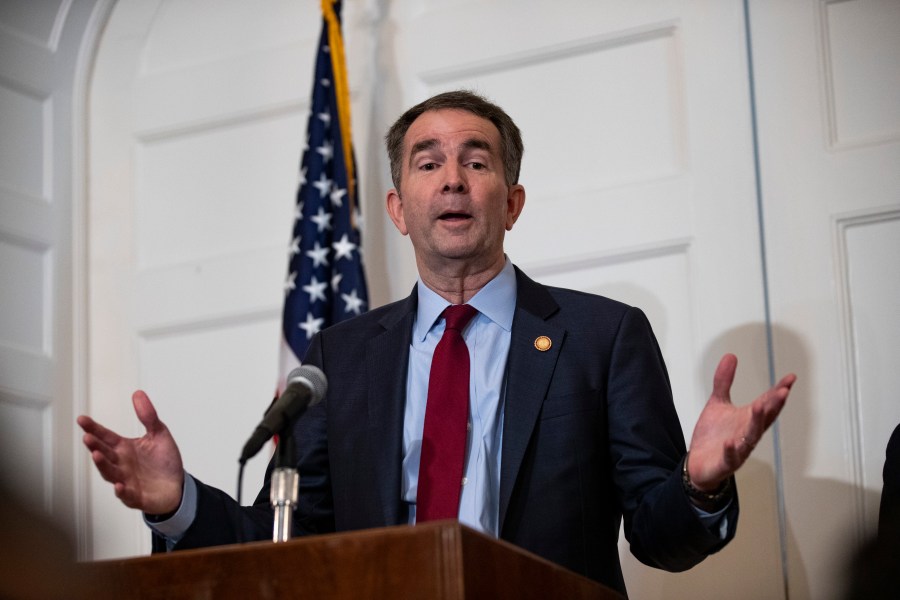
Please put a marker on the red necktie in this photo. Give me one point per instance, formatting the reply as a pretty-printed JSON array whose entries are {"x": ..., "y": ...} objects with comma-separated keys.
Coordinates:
[{"x": 446, "y": 417}]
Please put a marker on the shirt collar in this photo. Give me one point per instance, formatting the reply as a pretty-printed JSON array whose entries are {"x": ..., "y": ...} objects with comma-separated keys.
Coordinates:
[{"x": 496, "y": 301}]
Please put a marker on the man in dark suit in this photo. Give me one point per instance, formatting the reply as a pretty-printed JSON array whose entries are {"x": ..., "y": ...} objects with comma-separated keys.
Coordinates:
[
  {"x": 571, "y": 422},
  {"x": 874, "y": 571}
]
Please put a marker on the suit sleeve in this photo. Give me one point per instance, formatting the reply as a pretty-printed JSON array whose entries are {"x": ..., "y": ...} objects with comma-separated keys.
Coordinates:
[{"x": 646, "y": 450}]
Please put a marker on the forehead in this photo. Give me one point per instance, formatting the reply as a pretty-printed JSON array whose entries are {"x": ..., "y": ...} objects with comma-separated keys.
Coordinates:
[{"x": 450, "y": 126}]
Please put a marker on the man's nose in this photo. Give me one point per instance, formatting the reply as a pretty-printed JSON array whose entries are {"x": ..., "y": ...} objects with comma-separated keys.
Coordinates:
[{"x": 455, "y": 180}]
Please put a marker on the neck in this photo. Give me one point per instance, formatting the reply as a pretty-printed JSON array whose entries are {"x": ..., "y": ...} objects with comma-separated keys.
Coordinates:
[{"x": 457, "y": 281}]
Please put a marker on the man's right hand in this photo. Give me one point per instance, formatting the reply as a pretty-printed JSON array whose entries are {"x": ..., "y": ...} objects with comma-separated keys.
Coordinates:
[{"x": 146, "y": 472}]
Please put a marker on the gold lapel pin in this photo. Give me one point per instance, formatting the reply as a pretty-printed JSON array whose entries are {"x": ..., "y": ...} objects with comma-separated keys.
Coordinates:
[{"x": 542, "y": 343}]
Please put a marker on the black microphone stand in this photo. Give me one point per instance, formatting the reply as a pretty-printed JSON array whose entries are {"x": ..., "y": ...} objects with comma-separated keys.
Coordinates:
[{"x": 284, "y": 485}]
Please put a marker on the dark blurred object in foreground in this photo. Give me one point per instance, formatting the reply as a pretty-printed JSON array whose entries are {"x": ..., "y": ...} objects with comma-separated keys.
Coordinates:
[
  {"x": 875, "y": 570},
  {"x": 37, "y": 556}
]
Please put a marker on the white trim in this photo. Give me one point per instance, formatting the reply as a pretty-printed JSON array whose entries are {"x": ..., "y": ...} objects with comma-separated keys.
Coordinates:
[{"x": 81, "y": 463}]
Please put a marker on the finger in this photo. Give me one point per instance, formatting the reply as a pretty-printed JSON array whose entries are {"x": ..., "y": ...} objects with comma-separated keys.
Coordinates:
[
  {"x": 96, "y": 445},
  {"x": 107, "y": 469},
  {"x": 146, "y": 412},
  {"x": 92, "y": 427},
  {"x": 787, "y": 381},
  {"x": 767, "y": 407},
  {"x": 724, "y": 377},
  {"x": 763, "y": 412}
]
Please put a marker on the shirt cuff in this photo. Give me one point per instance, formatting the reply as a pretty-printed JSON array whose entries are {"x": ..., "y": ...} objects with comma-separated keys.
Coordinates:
[
  {"x": 716, "y": 522},
  {"x": 174, "y": 528}
]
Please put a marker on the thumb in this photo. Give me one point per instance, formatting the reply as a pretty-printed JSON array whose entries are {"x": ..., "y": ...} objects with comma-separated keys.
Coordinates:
[
  {"x": 146, "y": 413},
  {"x": 724, "y": 377}
]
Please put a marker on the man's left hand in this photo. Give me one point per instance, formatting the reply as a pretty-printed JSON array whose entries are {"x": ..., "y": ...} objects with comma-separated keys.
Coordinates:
[{"x": 726, "y": 434}]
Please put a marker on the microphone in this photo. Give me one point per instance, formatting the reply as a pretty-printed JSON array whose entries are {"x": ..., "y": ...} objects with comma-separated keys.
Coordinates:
[{"x": 306, "y": 385}]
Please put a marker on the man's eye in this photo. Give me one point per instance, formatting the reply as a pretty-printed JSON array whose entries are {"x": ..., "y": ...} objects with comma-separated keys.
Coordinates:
[
  {"x": 477, "y": 165},
  {"x": 428, "y": 167}
]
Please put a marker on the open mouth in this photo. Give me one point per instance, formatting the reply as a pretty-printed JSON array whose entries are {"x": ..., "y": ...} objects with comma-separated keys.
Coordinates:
[{"x": 454, "y": 216}]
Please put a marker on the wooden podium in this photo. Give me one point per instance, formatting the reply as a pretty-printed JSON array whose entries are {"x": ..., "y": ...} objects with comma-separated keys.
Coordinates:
[{"x": 431, "y": 561}]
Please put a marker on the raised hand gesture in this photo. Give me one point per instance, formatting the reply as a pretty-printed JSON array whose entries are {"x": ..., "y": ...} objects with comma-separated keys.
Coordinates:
[
  {"x": 726, "y": 434},
  {"x": 146, "y": 472}
]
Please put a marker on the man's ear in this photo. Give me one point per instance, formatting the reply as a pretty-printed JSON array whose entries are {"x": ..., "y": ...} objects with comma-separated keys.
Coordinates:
[
  {"x": 515, "y": 202},
  {"x": 394, "y": 205}
]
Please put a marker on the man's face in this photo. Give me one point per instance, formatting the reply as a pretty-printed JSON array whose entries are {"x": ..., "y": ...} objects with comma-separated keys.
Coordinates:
[{"x": 454, "y": 202}]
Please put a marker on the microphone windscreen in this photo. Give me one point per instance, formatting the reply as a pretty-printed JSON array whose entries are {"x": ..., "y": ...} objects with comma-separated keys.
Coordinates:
[{"x": 312, "y": 377}]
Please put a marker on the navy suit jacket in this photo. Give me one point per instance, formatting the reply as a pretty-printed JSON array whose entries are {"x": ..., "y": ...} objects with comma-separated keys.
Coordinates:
[{"x": 590, "y": 436}]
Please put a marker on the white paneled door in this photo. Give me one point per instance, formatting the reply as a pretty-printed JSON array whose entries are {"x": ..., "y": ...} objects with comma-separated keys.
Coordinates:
[
  {"x": 829, "y": 117},
  {"x": 45, "y": 52}
]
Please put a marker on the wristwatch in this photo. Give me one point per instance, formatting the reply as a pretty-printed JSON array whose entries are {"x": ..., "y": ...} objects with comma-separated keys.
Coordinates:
[{"x": 715, "y": 498}]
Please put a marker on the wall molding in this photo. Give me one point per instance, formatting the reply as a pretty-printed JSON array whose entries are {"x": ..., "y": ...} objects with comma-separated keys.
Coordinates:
[
  {"x": 833, "y": 140},
  {"x": 853, "y": 438},
  {"x": 80, "y": 294},
  {"x": 616, "y": 256},
  {"x": 233, "y": 319},
  {"x": 199, "y": 126},
  {"x": 51, "y": 44},
  {"x": 545, "y": 54}
]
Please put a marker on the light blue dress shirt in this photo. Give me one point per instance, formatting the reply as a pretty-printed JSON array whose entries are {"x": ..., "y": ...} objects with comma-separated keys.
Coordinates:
[{"x": 487, "y": 336}]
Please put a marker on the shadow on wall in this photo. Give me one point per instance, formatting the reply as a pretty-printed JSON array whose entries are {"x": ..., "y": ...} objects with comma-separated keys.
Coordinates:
[
  {"x": 814, "y": 505},
  {"x": 751, "y": 566}
]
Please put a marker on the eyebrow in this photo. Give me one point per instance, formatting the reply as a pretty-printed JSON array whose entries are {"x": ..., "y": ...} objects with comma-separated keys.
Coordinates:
[{"x": 469, "y": 144}]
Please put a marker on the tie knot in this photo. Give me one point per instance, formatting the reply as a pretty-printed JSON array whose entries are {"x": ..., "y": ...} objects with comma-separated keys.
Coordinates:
[{"x": 458, "y": 316}]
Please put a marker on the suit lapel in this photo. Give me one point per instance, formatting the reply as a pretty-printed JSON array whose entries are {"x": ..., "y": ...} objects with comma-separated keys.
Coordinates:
[
  {"x": 529, "y": 372},
  {"x": 387, "y": 360}
]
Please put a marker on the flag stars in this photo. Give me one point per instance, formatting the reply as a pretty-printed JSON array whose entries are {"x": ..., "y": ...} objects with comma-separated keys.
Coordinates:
[
  {"x": 312, "y": 326},
  {"x": 298, "y": 211},
  {"x": 337, "y": 196},
  {"x": 343, "y": 248},
  {"x": 325, "y": 82},
  {"x": 316, "y": 290},
  {"x": 322, "y": 219},
  {"x": 336, "y": 281},
  {"x": 294, "y": 248},
  {"x": 325, "y": 117},
  {"x": 291, "y": 283},
  {"x": 319, "y": 255},
  {"x": 301, "y": 178},
  {"x": 326, "y": 150},
  {"x": 353, "y": 303},
  {"x": 323, "y": 185}
]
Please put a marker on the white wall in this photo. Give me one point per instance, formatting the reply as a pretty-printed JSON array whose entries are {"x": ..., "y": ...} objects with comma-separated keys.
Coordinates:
[{"x": 640, "y": 172}]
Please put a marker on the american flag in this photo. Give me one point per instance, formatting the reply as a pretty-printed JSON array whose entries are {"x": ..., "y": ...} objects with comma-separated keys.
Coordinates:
[{"x": 325, "y": 282}]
